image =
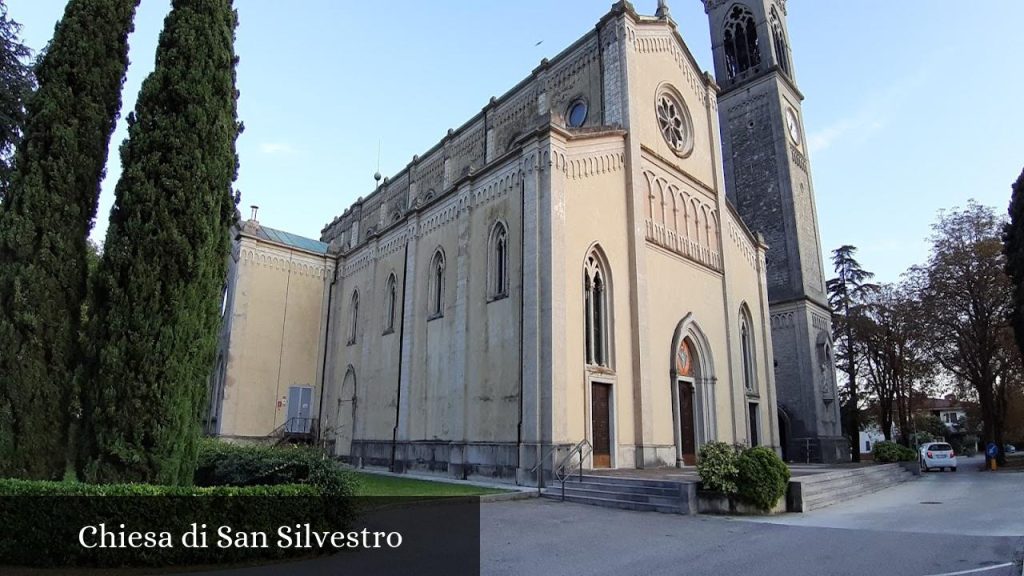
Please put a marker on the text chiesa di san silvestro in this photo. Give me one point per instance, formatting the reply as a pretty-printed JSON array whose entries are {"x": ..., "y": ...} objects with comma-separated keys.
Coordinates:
[{"x": 198, "y": 536}]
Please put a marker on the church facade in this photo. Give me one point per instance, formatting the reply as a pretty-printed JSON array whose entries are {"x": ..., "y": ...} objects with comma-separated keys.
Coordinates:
[{"x": 565, "y": 269}]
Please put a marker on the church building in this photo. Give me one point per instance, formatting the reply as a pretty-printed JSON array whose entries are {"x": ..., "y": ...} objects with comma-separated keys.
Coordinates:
[{"x": 601, "y": 258}]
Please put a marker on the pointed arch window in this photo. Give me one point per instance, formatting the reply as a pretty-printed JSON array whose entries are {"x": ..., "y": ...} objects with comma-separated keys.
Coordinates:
[
  {"x": 742, "y": 53},
  {"x": 497, "y": 268},
  {"x": 436, "y": 292},
  {"x": 390, "y": 304},
  {"x": 597, "y": 319},
  {"x": 353, "y": 318},
  {"x": 747, "y": 352},
  {"x": 779, "y": 39}
]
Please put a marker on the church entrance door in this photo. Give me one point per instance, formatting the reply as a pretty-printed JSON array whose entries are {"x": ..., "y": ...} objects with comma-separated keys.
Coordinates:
[
  {"x": 687, "y": 430},
  {"x": 601, "y": 424}
]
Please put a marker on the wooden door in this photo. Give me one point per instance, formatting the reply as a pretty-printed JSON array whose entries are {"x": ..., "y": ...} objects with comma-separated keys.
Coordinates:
[
  {"x": 686, "y": 426},
  {"x": 600, "y": 415}
]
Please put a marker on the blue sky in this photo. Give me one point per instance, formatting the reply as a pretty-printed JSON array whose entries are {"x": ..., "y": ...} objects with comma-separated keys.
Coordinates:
[{"x": 911, "y": 106}]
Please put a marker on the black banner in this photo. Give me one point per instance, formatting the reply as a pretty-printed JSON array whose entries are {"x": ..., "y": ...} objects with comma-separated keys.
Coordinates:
[{"x": 242, "y": 535}]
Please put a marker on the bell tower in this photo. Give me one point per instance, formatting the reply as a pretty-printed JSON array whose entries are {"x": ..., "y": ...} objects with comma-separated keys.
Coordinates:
[{"x": 768, "y": 180}]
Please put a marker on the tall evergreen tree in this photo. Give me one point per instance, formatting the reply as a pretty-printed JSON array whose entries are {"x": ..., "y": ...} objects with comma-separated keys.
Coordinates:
[
  {"x": 156, "y": 305},
  {"x": 45, "y": 219},
  {"x": 846, "y": 294},
  {"x": 16, "y": 85},
  {"x": 1013, "y": 247}
]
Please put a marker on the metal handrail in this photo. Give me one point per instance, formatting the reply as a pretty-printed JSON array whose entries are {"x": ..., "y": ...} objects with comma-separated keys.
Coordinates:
[
  {"x": 562, "y": 472},
  {"x": 296, "y": 426},
  {"x": 560, "y": 469}
]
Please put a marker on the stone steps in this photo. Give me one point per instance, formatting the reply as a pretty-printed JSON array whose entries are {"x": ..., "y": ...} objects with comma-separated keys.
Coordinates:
[
  {"x": 626, "y": 494},
  {"x": 815, "y": 491}
]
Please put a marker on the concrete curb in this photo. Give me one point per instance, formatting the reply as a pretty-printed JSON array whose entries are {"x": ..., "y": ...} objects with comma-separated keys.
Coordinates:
[
  {"x": 530, "y": 491},
  {"x": 488, "y": 498}
]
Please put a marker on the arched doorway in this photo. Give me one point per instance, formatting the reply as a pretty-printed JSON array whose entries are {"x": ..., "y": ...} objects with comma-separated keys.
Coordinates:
[
  {"x": 346, "y": 415},
  {"x": 693, "y": 393}
]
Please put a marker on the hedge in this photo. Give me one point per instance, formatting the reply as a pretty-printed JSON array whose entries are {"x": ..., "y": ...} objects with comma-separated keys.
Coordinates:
[
  {"x": 249, "y": 488},
  {"x": 225, "y": 464}
]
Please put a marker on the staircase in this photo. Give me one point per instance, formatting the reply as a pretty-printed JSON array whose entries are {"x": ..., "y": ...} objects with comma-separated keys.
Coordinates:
[
  {"x": 295, "y": 431},
  {"x": 626, "y": 493},
  {"x": 815, "y": 491}
]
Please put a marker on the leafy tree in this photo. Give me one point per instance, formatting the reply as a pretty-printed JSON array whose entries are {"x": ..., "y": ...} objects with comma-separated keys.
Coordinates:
[
  {"x": 16, "y": 84},
  {"x": 156, "y": 308},
  {"x": 846, "y": 293},
  {"x": 967, "y": 298},
  {"x": 1013, "y": 246},
  {"x": 929, "y": 427},
  {"x": 45, "y": 219}
]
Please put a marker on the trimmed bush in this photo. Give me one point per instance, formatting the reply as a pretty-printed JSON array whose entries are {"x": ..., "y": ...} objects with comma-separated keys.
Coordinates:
[
  {"x": 41, "y": 521},
  {"x": 224, "y": 464},
  {"x": 717, "y": 467},
  {"x": 249, "y": 488},
  {"x": 762, "y": 477},
  {"x": 885, "y": 452}
]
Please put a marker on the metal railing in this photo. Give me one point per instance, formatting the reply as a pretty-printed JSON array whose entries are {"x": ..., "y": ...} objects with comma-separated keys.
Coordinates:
[{"x": 569, "y": 464}]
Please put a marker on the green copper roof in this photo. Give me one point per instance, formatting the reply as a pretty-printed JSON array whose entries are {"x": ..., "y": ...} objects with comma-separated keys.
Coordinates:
[{"x": 293, "y": 240}]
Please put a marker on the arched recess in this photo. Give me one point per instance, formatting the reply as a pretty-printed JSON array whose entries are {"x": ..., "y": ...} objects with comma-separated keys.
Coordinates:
[
  {"x": 692, "y": 380},
  {"x": 785, "y": 432},
  {"x": 345, "y": 419}
]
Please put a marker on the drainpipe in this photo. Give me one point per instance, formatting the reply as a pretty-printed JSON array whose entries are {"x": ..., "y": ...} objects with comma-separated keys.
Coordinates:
[
  {"x": 327, "y": 333},
  {"x": 522, "y": 311},
  {"x": 401, "y": 342}
]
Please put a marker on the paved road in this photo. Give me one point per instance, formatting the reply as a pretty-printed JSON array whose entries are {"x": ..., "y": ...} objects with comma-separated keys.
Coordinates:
[
  {"x": 977, "y": 526},
  {"x": 965, "y": 502}
]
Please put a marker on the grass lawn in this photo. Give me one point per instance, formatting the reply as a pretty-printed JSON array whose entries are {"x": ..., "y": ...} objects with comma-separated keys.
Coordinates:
[{"x": 378, "y": 485}]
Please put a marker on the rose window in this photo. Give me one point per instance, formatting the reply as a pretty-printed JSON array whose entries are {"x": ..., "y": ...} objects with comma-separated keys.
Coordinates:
[{"x": 674, "y": 123}]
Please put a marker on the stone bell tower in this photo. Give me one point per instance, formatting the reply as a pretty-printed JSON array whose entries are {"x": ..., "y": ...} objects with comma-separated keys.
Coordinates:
[{"x": 768, "y": 179}]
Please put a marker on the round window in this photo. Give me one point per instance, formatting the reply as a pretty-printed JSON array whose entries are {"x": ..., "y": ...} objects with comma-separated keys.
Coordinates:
[
  {"x": 577, "y": 114},
  {"x": 674, "y": 122}
]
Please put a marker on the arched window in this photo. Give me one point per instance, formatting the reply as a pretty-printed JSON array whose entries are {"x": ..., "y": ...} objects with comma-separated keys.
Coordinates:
[
  {"x": 436, "y": 292},
  {"x": 497, "y": 268},
  {"x": 596, "y": 310},
  {"x": 747, "y": 352},
  {"x": 390, "y": 304},
  {"x": 741, "y": 49},
  {"x": 353, "y": 318},
  {"x": 779, "y": 38}
]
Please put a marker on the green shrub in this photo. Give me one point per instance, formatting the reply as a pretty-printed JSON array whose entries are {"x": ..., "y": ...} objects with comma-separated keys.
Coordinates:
[
  {"x": 887, "y": 451},
  {"x": 969, "y": 445},
  {"x": 225, "y": 464},
  {"x": 762, "y": 477},
  {"x": 717, "y": 467}
]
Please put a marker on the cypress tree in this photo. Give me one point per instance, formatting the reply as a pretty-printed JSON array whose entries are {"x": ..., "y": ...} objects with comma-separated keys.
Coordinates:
[
  {"x": 16, "y": 84},
  {"x": 156, "y": 304},
  {"x": 1013, "y": 247},
  {"x": 45, "y": 219}
]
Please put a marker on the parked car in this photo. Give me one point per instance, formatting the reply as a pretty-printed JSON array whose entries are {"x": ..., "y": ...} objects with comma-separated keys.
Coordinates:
[
  {"x": 937, "y": 455},
  {"x": 1010, "y": 449}
]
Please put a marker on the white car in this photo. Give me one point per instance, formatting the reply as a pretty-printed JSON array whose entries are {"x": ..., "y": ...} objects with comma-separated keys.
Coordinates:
[{"x": 937, "y": 455}]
